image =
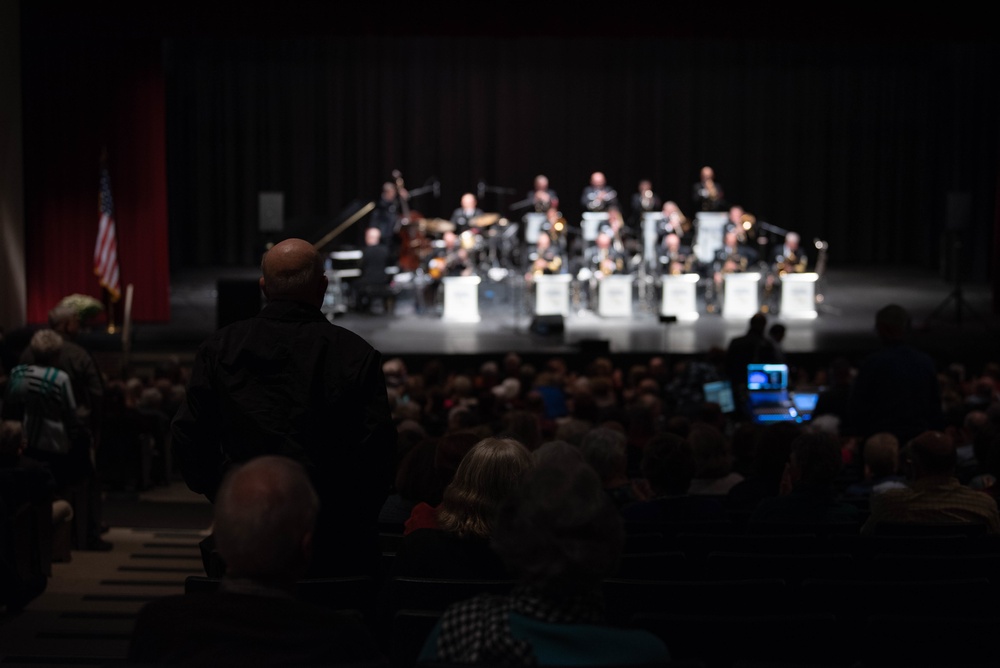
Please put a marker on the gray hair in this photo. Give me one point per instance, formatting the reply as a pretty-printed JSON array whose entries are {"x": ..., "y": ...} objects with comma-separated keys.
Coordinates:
[{"x": 46, "y": 345}]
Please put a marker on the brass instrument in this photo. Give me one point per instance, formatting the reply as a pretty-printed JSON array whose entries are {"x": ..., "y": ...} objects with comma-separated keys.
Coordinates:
[
  {"x": 747, "y": 228},
  {"x": 646, "y": 201},
  {"x": 600, "y": 198},
  {"x": 608, "y": 265},
  {"x": 542, "y": 266},
  {"x": 791, "y": 264}
]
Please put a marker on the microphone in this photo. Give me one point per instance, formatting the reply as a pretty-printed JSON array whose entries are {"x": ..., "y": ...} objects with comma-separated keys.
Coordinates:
[
  {"x": 437, "y": 190},
  {"x": 481, "y": 188}
]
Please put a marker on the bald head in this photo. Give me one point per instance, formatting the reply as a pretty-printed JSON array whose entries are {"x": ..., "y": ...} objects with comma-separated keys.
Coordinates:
[
  {"x": 264, "y": 518},
  {"x": 293, "y": 270}
]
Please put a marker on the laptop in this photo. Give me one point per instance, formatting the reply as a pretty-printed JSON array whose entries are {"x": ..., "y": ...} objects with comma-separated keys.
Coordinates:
[
  {"x": 720, "y": 392},
  {"x": 805, "y": 402},
  {"x": 768, "y": 395}
]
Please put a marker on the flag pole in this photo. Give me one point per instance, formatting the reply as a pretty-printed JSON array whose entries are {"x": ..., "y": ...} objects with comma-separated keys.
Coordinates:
[{"x": 110, "y": 308}]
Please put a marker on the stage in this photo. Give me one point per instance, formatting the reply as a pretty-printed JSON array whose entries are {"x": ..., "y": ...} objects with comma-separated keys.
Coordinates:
[{"x": 953, "y": 322}]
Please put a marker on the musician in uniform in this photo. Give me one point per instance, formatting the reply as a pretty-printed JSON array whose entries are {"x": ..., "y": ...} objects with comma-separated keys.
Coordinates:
[
  {"x": 546, "y": 258},
  {"x": 788, "y": 258},
  {"x": 732, "y": 257},
  {"x": 387, "y": 215},
  {"x": 462, "y": 217},
  {"x": 542, "y": 197},
  {"x": 598, "y": 195},
  {"x": 446, "y": 258},
  {"x": 707, "y": 194},
  {"x": 644, "y": 200},
  {"x": 600, "y": 260},
  {"x": 673, "y": 221},
  {"x": 674, "y": 257}
]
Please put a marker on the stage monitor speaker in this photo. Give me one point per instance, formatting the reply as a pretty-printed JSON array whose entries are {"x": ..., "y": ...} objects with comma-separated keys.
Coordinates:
[
  {"x": 236, "y": 299},
  {"x": 548, "y": 325},
  {"x": 959, "y": 211},
  {"x": 270, "y": 211},
  {"x": 595, "y": 347}
]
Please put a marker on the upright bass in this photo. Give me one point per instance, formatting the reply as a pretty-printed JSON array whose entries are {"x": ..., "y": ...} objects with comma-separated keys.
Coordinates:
[{"x": 411, "y": 239}]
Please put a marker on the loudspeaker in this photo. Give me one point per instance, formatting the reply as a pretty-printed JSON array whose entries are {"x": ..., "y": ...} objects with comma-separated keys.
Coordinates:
[
  {"x": 959, "y": 211},
  {"x": 237, "y": 299},
  {"x": 547, "y": 325},
  {"x": 595, "y": 347}
]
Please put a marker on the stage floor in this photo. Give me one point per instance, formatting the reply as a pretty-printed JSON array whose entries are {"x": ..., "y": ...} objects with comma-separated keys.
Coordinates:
[{"x": 952, "y": 322}]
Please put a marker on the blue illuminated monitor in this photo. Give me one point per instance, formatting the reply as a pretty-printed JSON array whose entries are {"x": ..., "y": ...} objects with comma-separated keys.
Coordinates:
[{"x": 767, "y": 377}]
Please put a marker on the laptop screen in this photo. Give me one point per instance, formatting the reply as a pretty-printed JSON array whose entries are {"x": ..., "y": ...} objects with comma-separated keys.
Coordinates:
[
  {"x": 768, "y": 377},
  {"x": 720, "y": 392}
]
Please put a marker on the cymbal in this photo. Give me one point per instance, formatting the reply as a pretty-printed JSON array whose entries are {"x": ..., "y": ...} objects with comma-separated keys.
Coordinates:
[
  {"x": 438, "y": 225},
  {"x": 485, "y": 220}
]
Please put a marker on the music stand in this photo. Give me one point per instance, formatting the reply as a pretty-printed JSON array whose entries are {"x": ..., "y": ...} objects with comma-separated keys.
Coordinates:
[{"x": 956, "y": 292}]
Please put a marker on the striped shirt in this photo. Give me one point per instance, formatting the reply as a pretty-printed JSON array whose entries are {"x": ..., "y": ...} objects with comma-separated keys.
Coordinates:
[{"x": 42, "y": 397}]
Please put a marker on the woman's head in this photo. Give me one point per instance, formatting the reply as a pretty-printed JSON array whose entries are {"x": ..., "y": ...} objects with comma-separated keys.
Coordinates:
[{"x": 484, "y": 477}]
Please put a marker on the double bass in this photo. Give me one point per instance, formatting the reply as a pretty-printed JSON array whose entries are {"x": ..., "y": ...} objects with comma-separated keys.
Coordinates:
[{"x": 411, "y": 239}]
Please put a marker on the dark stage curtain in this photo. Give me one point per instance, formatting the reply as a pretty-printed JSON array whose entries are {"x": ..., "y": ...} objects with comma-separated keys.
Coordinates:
[
  {"x": 83, "y": 96},
  {"x": 855, "y": 143}
]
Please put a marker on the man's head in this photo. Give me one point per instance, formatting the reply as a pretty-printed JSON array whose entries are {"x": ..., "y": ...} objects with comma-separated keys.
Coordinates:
[
  {"x": 892, "y": 323},
  {"x": 469, "y": 201},
  {"x": 265, "y": 515},
  {"x": 12, "y": 439},
  {"x": 597, "y": 180},
  {"x": 541, "y": 182},
  {"x": 815, "y": 459},
  {"x": 932, "y": 453},
  {"x": 373, "y": 236},
  {"x": 758, "y": 323},
  {"x": 881, "y": 455},
  {"x": 672, "y": 242},
  {"x": 293, "y": 271},
  {"x": 792, "y": 240},
  {"x": 707, "y": 173}
]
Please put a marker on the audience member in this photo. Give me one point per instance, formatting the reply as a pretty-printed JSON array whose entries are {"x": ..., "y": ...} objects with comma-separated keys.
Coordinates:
[
  {"x": 881, "y": 467},
  {"x": 460, "y": 545},
  {"x": 88, "y": 391},
  {"x": 604, "y": 449},
  {"x": 449, "y": 451},
  {"x": 264, "y": 518},
  {"x": 40, "y": 395},
  {"x": 754, "y": 346},
  {"x": 896, "y": 388},
  {"x": 932, "y": 493},
  {"x": 668, "y": 466},
  {"x": 560, "y": 536},
  {"x": 714, "y": 473},
  {"x": 763, "y": 479},
  {"x": 288, "y": 381},
  {"x": 809, "y": 493}
]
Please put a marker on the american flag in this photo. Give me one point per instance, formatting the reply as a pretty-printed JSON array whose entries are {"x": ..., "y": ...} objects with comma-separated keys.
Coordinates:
[{"x": 106, "y": 249}]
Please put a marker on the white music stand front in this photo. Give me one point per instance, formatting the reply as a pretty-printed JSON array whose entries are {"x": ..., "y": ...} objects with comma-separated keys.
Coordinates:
[
  {"x": 741, "y": 298},
  {"x": 615, "y": 296},
  {"x": 680, "y": 296},
  {"x": 711, "y": 227},
  {"x": 552, "y": 294},
  {"x": 798, "y": 296},
  {"x": 461, "y": 298},
  {"x": 533, "y": 226},
  {"x": 650, "y": 220},
  {"x": 591, "y": 224}
]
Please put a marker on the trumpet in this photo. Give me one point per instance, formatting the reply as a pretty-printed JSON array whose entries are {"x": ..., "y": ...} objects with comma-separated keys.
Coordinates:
[{"x": 646, "y": 201}]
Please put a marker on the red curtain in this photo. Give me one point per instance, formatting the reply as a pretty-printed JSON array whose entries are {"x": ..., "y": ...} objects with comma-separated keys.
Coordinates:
[{"x": 83, "y": 98}]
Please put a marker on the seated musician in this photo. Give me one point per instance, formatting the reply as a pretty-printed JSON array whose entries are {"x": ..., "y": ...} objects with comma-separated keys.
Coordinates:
[
  {"x": 601, "y": 259},
  {"x": 675, "y": 258},
  {"x": 788, "y": 258},
  {"x": 447, "y": 258},
  {"x": 624, "y": 238},
  {"x": 463, "y": 216},
  {"x": 674, "y": 221},
  {"x": 732, "y": 257},
  {"x": 545, "y": 258}
]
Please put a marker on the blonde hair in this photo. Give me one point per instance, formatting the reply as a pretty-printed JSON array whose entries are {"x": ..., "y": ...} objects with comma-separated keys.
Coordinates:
[{"x": 486, "y": 474}]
